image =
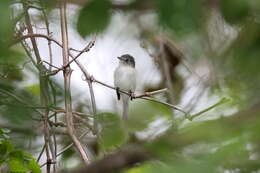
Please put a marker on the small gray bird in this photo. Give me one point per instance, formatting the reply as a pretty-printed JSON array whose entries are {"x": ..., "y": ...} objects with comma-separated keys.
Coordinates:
[{"x": 125, "y": 79}]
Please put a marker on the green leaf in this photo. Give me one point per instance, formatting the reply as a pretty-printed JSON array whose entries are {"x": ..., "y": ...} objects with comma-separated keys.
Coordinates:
[
  {"x": 182, "y": 16},
  {"x": 34, "y": 89},
  {"x": 143, "y": 112},
  {"x": 113, "y": 133},
  {"x": 235, "y": 11},
  {"x": 94, "y": 17},
  {"x": 243, "y": 58},
  {"x": 5, "y": 147},
  {"x": 18, "y": 154},
  {"x": 5, "y": 18},
  {"x": 5, "y": 130},
  {"x": 34, "y": 166},
  {"x": 16, "y": 165}
]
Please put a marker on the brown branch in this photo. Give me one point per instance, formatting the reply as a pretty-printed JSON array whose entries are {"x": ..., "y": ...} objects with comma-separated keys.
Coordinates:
[
  {"x": 40, "y": 155},
  {"x": 91, "y": 90},
  {"x": 167, "y": 104},
  {"x": 44, "y": 95},
  {"x": 34, "y": 35},
  {"x": 70, "y": 145},
  {"x": 58, "y": 110},
  {"x": 67, "y": 147},
  {"x": 67, "y": 75},
  {"x": 30, "y": 31},
  {"x": 148, "y": 94},
  {"x": 116, "y": 161},
  {"x": 48, "y": 33}
]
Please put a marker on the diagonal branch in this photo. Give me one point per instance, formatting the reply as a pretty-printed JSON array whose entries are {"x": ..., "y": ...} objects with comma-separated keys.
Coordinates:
[{"x": 116, "y": 162}]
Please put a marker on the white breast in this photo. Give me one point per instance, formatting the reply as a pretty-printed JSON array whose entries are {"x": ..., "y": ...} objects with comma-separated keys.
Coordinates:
[{"x": 125, "y": 78}]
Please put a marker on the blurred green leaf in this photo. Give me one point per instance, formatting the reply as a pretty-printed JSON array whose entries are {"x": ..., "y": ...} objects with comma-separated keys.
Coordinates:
[
  {"x": 5, "y": 148},
  {"x": 162, "y": 147},
  {"x": 94, "y": 17},
  {"x": 34, "y": 89},
  {"x": 16, "y": 165},
  {"x": 17, "y": 160},
  {"x": 241, "y": 64},
  {"x": 4, "y": 134},
  {"x": 182, "y": 16},
  {"x": 113, "y": 132},
  {"x": 6, "y": 30},
  {"x": 235, "y": 11},
  {"x": 10, "y": 61},
  {"x": 231, "y": 154},
  {"x": 143, "y": 112},
  {"x": 174, "y": 166},
  {"x": 5, "y": 130},
  {"x": 34, "y": 166},
  {"x": 18, "y": 113}
]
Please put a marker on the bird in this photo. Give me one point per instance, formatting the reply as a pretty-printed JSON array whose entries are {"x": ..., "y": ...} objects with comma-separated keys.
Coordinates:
[{"x": 125, "y": 80}]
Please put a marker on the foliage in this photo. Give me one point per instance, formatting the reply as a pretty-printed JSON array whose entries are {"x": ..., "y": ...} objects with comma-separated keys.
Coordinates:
[
  {"x": 180, "y": 16},
  {"x": 94, "y": 17},
  {"x": 15, "y": 159},
  {"x": 113, "y": 133},
  {"x": 225, "y": 139}
]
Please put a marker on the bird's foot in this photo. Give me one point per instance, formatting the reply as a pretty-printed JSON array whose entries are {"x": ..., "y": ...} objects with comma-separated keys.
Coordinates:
[
  {"x": 117, "y": 93},
  {"x": 132, "y": 95}
]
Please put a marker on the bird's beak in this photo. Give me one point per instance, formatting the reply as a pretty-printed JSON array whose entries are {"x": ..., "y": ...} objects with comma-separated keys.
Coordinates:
[{"x": 120, "y": 58}]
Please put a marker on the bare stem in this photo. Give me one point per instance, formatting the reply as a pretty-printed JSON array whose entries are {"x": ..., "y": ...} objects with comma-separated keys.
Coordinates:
[{"x": 67, "y": 75}]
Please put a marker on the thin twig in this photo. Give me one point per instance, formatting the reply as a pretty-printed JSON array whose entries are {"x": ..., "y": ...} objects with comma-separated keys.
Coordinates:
[
  {"x": 148, "y": 94},
  {"x": 34, "y": 35},
  {"x": 68, "y": 146},
  {"x": 91, "y": 90},
  {"x": 86, "y": 49},
  {"x": 51, "y": 65},
  {"x": 48, "y": 33},
  {"x": 222, "y": 101},
  {"x": 58, "y": 110},
  {"x": 165, "y": 103},
  {"x": 40, "y": 155}
]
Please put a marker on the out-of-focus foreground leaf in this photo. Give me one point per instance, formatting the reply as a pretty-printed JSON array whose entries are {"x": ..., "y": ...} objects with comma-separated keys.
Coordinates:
[
  {"x": 6, "y": 30},
  {"x": 17, "y": 160},
  {"x": 180, "y": 16},
  {"x": 113, "y": 132},
  {"x": 240, "y": 65},
  {"x": 142, "y": 113},
  {"x": 94, "y": 17},
  {"x": 208, "y": 146},
  {"x": 235, "y": 11}
]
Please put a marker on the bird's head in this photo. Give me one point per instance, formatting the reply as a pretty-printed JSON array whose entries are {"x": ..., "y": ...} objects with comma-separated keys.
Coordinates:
[{"x": 127, "y": 60}]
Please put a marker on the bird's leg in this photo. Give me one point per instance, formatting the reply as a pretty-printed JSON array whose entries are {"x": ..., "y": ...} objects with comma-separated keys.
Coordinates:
[
  {"x": 117, "y": 93},
  {"x": 132, "y": 95}
]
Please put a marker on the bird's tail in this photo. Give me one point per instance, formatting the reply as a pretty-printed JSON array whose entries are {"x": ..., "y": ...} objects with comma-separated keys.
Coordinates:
[{"x": 125, "y": 99}]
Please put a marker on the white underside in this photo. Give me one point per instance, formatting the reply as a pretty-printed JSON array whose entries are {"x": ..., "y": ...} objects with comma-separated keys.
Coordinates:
[{"x": 125, "y": 78}]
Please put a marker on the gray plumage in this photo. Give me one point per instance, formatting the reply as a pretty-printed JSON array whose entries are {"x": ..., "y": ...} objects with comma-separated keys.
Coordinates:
[{"x": 125, "y": 79}]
